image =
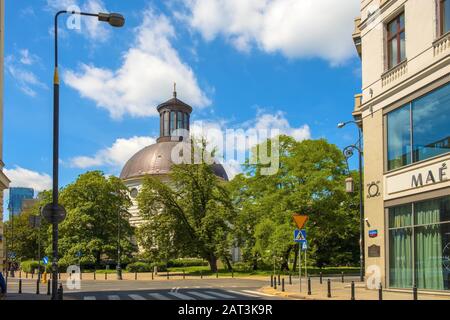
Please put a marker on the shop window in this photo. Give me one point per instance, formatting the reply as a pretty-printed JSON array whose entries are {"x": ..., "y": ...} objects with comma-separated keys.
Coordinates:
[
  {"x": 399, "y": 137},
  {"x": 420, "y": 254},
  {"x": 396, "y": 41},
  {"x": 419, "y": 130}
]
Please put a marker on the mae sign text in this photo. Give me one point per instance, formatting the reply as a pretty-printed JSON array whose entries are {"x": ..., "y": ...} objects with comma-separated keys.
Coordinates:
[{"x": 425, "y": 178}]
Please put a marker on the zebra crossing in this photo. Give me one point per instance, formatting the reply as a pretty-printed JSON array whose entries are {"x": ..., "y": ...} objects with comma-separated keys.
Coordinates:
[{"x": 174, "y": 294}]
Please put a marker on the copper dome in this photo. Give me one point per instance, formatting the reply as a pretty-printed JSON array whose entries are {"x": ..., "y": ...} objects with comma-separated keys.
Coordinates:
[{"x": 156, "y": 160}]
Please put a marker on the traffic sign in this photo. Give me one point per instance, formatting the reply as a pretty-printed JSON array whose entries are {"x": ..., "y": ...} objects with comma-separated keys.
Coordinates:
[
  {"x": 305, "y": 246},
  {"x": 300, "y": 236},
  {"x": 45, "y": 260},
  {"x": 79, "y": 254},
  {"x": 51, "y": 215},
  {"x": 300, "y": 220}
]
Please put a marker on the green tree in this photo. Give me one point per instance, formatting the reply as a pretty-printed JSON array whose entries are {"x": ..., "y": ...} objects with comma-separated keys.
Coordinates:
[
  {"x": 191, "y": 215},
  {"x": 97, "y": 206},
  {"x": 310, "y": 180},
  {"x": 22, "y": 238}
]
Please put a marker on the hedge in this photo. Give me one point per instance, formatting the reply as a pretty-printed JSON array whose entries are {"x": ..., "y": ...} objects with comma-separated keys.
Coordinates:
[{"x": 186, "y": 262}]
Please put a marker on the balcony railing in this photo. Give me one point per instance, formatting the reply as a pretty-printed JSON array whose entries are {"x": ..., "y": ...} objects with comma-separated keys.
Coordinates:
[
  {"x": 442, "y": 45},
  {"x": 394, "y": 74}
]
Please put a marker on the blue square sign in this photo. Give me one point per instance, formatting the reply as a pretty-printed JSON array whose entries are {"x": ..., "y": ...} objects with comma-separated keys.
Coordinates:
[{"x": 300, "y": 236}]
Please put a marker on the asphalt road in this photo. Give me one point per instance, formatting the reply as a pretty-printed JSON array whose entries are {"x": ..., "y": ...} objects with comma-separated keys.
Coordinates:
[{"x": 193, "y": 289}]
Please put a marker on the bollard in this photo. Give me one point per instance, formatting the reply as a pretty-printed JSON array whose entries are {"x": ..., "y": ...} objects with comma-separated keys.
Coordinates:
[
  {"x": 184, "y": 275},
  {"x": 217, "y": 275},
  {"x": 290, "y": 278},
  {"x": 309, "y": 286},
  {"x": 60, "y": 292},
  {"x": 20, "y": 274},
  {"x": 353, "y": 291},
  {"x": 201, "y": 274},
  {"x": 232, "y": 273},
  {"x": 279, "y": 279},
  {"x": 49, "y": 286},
  {"x": 167, "y": 275},
  {"x": 415, "y": 292},
  {"x": 380, "y": 292},
  {"x": 152, "y": 276},
  {"x": 342, "y": 275},
  {"x": 37, "y": 286},
  {"x": 282, "y": 285},
  {"x": 135, "y": 276},
  {"x": 95, "y": 277},
  {"x": 26, "y": 275},
  {"x": 329, "y": 288},
  {"x": 81, "y": 275},
  {"x": 59, "y": 275},
  {"x": 106, "y": 276},
  {"x": 20, "y": 285},
  {"x": 320, "y": 277},
  {"x": 271, "y": 280},
  {"x": 32, "y": 275},
  {"x": 275, "y": 284}
]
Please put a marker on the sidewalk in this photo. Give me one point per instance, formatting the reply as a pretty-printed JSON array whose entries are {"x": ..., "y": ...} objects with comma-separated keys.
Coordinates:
[
  {"x": 26, "y": 296},
  {"x": 342, "y": 291}
]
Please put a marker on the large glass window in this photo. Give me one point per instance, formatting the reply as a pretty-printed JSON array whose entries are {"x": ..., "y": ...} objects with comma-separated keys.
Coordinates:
[
  {"x": 419, "y": 253},
  {"x": 445, "y": 16},
  {"x": 396, "y": 41},
  {"x": 419, "y": 130},
  {"x": 399, "y": 137},
  {"x": 431, "y": 124}
]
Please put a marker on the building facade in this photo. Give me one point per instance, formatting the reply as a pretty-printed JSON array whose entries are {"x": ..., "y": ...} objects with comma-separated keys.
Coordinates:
[
  {"x": 4, "y": 182},
  {"x": 17, "y": 196},
  {"x": 404, "y": 109}
]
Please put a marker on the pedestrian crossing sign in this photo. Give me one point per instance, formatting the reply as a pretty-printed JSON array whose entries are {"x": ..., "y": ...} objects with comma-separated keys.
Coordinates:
[{"x": 300, "y": 236}]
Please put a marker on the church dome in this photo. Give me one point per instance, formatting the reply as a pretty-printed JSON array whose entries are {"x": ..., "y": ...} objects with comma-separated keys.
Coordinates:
[{"x": 156, "y": 159}]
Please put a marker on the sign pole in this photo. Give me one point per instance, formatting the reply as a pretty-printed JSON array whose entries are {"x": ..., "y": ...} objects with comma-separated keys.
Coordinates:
[
  {"x": 300, "y": 266},
  {"x": 306, "y": 267}
]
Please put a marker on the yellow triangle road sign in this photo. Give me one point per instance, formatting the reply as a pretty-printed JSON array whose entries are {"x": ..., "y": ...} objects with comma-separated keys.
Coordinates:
[{"x": 300, "y": 220}]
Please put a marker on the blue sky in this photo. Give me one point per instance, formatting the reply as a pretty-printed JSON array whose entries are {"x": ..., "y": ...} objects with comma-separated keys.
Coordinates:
[{"x": 288, "y": 64}]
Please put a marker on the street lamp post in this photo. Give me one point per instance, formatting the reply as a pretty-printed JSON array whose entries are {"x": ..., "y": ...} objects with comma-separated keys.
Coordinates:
[
  {"x": 115, "y": 20},
  {"x": 118, "y": 268},
  {"x": 348, "y": 152}
]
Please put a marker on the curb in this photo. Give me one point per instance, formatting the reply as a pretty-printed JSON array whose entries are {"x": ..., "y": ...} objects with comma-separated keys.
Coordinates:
[{"x": 272, "y": 291}]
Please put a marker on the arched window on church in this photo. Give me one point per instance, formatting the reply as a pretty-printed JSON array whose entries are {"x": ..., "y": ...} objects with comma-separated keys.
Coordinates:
[
  {"x": 172, "y": 122},
  {"x": 166, "y": 124}
]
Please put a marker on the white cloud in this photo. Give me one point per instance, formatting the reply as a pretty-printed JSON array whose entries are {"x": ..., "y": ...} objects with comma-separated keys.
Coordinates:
[
  {"x": 294, "y": 28},
  {"x": 21, "y": 177},
  {"x": 95, "y": 30},
  {"x": 146, "y": 76},
  {"x": 25, "y": 79},
  {"x": 232, "y": 153},
  {"x": 116, "y": 155}
]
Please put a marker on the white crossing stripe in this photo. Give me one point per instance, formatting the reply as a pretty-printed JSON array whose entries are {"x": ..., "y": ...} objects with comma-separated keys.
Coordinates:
[
  {"x": 220, "y": 295},
  {"x": 258, "y": 293},
  {"x": 201, "y": 295},
  {"x": 242, "y": 293},
  {"x": 158, "y": 296},
  {"x": 181, "y": 296},
  {"x": 90, "y": 298},
  {"x": 136, "y": 297},
  {"x": 113, "y": 297}
]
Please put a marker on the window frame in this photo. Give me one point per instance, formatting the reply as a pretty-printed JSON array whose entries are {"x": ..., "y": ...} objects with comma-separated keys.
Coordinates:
[
  {"x": 441, "y": 5},
  {"x": 395, "y": 37}
]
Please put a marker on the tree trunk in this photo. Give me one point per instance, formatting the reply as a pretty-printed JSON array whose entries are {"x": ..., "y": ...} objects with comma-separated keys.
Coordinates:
[
  {"x": 294, "y": 267},
  {"x": 212, "y": 260},
  {"x": 285, "y": 263},
  {"x": 228, "y": 263}
]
